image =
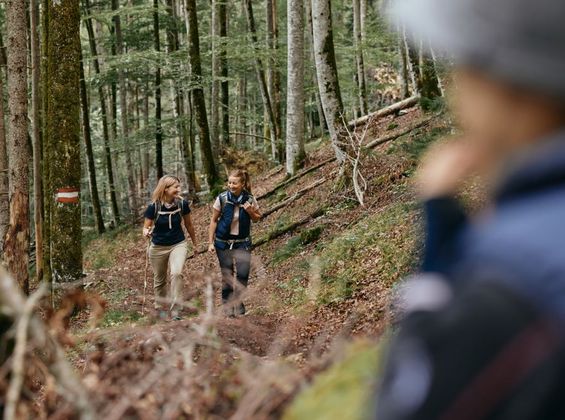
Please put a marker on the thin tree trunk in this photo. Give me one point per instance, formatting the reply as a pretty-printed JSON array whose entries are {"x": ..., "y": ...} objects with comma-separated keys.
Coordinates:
[
  {"x": 104, "y": 115},
  {"x": 198, "y": 96},
  {"x": 158, "y": 128},
  {"x": 241, "y": 122},
  {"x": 98, "y": 220},
  {"x": 36, "y": 138},
  {"x": 224, "y": 84},
  {"x": 63, "y": 124},
  {"x": 267, "y": 103},
  {"x": 16, "y": 245},
  {"x": 358, "y": 39},
  {"x": 132, "y": 197},
  {"x": 326, "y": 68},
  {"x": 404, "y": 70},
  {"x": 295, "y": 87},
  {"x": 273, "y": 74},
  {"x": 215, "y": 91}
]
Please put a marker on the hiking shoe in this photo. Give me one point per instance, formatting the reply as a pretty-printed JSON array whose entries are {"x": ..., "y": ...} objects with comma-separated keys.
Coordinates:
[
  {"x": 241, "y": 309},
  {"x": 177, "y": 318}
]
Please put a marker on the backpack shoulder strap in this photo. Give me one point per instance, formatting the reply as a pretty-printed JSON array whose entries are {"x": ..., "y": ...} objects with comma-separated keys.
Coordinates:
[{"x": 157, "y": 207}]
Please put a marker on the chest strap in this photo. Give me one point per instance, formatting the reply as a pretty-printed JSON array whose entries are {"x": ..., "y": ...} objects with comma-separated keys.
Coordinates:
[{"x": 170, "y": 213}]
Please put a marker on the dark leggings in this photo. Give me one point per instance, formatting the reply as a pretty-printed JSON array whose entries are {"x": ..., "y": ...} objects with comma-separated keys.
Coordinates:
[{"x": 234, "y": 261}]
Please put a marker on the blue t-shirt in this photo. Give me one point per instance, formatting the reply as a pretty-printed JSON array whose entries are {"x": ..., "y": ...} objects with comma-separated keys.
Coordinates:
[{"x": 168, "y": 228}]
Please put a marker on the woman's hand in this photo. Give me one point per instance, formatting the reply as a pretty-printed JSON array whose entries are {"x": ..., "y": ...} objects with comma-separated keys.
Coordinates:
[
  {"x": 147, "y": 231},
  {"x": 252, "y": 211},
  {"x": 211, "y": 247}
]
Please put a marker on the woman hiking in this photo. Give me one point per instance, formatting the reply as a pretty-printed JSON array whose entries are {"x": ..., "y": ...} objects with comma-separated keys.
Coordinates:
[
  {"x": 483, "y": 330},
  {"x": 164, "y": 218},
  {"x": 230, "y": 236}
]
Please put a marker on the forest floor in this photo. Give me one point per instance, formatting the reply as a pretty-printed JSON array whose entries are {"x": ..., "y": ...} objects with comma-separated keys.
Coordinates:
[{"x": 317, "y": 300}]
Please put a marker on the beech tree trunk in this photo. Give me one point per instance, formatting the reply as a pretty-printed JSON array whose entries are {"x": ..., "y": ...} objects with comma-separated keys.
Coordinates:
[
  {"x": 326, "y": 68},
  {"x": 295, "y": 87},
  {"x": 273, "y": 73},
  {"x": 16, "y": 245},
  {"x": 63, "y": 125},
  {"x": 224, "y": 84},
  {"x": 358, "y": 40},
  {"x": 4, "y": 185},
  {"x": 215, "y": 91},
  {"x": 158, "y": 128},
  {"x": 198, "y": 95}
]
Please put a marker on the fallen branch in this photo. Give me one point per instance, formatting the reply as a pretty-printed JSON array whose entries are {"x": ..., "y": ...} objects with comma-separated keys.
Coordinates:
[
  {"x": 288, "y": 228},
  {"x": 406, "y": 103},
  {"x": 387, "y": 138},
  {"x": 293, "y": 198},
  {"x": 294, "y": 178}
]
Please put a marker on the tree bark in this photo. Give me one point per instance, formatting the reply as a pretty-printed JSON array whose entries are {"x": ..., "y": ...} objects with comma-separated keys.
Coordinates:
[
  {"x": 295, "y": 88},
  {"x": 132, "y": 193},
  {"x": 358, "y": 40},
  {"x": 158, "y": 128},
  {"x": 224, "y": 84},
  {"x": 98, "y": 220},
  {"x": 104, "y": 115},
  {"x": 215, "y": 91},
  {"x": 63, "y": 125},
  {"x": 326, "y": 68},
  {"x": 273, "y": 73},
  {"x": 198, "y": 95},
  {"x": 267, "y": 103},
  {"x": 36, "y": 138},
  {"x": 16, "y": 245},
  {"x": 4, "y": 185}
]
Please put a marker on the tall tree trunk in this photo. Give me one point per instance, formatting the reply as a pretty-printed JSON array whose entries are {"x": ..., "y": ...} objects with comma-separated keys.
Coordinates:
[
  {"x": 267, "y": 103},
  {"x": 132, "y": 196},
  {"x": 98, "y": 220},
  {"x": 64, "y": 137},
  {"x": 241, "y": 120},
  {"x": 198, "y": 95},
  {"x": 404, "y": 66},
  {"x": 158, "y": 128},
  {"x": 273, "y": 73},
  {"x": 4, "y": 185},
  {"x": 47, "y": 201},
  {"x": 104, "y": 115},
  {"x": 310, "y": 42},
  {"x": 36, "y": 138},
  {"x": 431, "y": 87},
  {"x": 295, "y": 87},
  {"x": 215, "y": 91},
  {"x": 16, "y": 245},
  {"x": 224, "y": 84},
  {"x": 360, "y": 75},
  {"x": 326, "y": 68}
]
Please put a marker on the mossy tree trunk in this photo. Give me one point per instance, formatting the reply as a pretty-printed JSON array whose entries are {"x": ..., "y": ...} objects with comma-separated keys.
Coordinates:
[
  {"x": 36, "y": 137},
  {"x": 158, "y": 127},
  {"x": 104, "y": 115},
  {"x": 98, "y": 220},
  {"x": 63, "y": 125},
  {"x": 295, "y": 87},
  {"x": 198, "y": 95},
  {"x": 4, "y": 187},
  {"x": 326, "y": 68},
  {"x": 215, "y": 70},
  {"x": 16, "y": 245}
]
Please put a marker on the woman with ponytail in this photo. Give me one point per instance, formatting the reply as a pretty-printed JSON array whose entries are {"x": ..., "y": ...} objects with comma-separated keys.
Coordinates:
[
  {"x": 164, "y": 218},
  {"x": 230, "y": 237}
]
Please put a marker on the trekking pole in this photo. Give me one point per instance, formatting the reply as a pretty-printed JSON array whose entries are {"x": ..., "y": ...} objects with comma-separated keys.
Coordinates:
[{"x": 145, "y": 278}]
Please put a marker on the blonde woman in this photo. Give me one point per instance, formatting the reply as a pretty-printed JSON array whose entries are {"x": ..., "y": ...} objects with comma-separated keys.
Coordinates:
[{"x": 163, "y": 222}]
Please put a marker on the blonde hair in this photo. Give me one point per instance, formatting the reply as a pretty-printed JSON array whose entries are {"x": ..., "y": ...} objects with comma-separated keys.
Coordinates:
[
  {"x": 165, "y": 182},
  {"x": 243, "y": 175}
]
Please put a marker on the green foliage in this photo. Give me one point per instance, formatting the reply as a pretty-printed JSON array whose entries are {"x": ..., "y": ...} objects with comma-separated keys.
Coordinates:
[
  {"x": 416, "y": 145},
  {"x": 115, "y": 317},
  {"x": 379, "y": 248},
  {"x": 100, "y": 250},
  {"x": 435, "y": 104},
  {"x": 297, "y": 243},
  {"x": 344, "y": 391}
]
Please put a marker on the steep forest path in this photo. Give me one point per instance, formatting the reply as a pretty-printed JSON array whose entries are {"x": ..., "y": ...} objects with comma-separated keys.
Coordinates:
[{"x": 291, "y": 294}]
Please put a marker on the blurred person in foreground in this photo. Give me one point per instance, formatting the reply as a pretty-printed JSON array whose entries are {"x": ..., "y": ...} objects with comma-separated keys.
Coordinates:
[{"x": 483, "y": 327}]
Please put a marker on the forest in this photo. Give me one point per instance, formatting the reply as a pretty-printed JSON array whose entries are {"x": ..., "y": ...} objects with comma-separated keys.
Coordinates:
[{"x": 323, "y": 103}]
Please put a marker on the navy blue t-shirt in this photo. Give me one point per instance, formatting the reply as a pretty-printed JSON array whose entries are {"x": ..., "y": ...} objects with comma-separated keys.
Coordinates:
[{"x": 168, "y": 229}]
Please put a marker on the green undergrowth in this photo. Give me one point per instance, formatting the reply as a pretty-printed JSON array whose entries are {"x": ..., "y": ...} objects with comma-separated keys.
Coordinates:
[
  {"x": 116, "y": 317},
  {"x": 297, "y": 244},
  {"x": 381, "y": 246},
  {"x": 100, "y": 251},
  {"x": 344, "y": 391}
]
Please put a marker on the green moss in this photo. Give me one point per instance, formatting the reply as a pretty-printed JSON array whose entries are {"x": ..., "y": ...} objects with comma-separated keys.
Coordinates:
[
  {"x": 342, "y": 392},
  {"x": 297, "y": 243},
  {"x": 116, "y": 317}
]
